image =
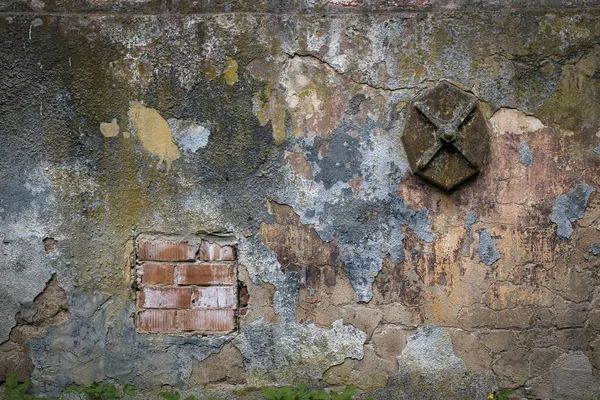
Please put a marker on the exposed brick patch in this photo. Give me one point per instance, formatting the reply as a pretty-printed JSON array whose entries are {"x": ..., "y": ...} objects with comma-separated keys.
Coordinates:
[
  {"x": 186, "y": 287},
  {"x": 165, "y": 250},
  {"x": 157, "y": 320},
  {"x": 165, "y": 297},
  {"x": 206, "y": 320},
  {"x": 159, "y": 274},
  {"x": 205, "y": 274},
  {"x": 214, "y": 252},
  {"x": 243, "y": 298},
  {"x": 214, "y": 297}
]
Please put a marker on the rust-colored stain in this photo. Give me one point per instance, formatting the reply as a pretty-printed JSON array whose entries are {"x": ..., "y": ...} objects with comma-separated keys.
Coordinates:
[
  {"x": 158, "y": 274},
  {"x": 163, "y": 250},
  {"x": 355, "y": 183},
  {"x": 157, "y": 320},
  {"x": 206, "y": 320},
  {"x": 297, "y": 161},
  {"x": 204, "y": 274},
  {"x": 295, "y": 243}
]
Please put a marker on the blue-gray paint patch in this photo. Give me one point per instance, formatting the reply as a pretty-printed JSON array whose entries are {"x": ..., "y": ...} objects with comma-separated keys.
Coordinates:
[
  {"x": 470, "y": 219},
  {"x": 597, "y": 150},
  {"x": 595, "y": 249},
  {"x": 525, "y": 154},
  {"x": 363, "y": 250},
  {"x": 569, "y": 207},
  {"x": 343, "y": 157},
  {"x": 487, "y": 248},
  {"x": 188, "y": 134}
]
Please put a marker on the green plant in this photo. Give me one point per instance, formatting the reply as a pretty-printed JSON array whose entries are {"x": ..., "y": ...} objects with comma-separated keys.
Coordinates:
[
  {"x": 15, "y": 390},
  {"x": 104, "y": 391},
  {"x": 302, "y": 393},
  {"x": 501, "y": 395},
  {"x": 174, "y": 396}
]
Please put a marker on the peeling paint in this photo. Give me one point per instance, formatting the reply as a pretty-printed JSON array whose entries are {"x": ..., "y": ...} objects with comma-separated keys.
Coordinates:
[
  {"x": 487, "y": 248},
  {"x": 188, "y": 134},
  {"x": 506, "y": 121},
  {"x": 154, "y": 133},
  {"x": 569, "y": 207},
  {"x": 110, "y": 129}
]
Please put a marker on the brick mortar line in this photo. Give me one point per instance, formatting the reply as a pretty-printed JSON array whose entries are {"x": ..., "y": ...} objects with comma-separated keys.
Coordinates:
[{"x": 301, "y": 14}]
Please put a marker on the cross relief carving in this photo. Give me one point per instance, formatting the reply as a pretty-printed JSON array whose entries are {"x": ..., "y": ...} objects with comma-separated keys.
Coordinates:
[{"x": 446, "y": 135}]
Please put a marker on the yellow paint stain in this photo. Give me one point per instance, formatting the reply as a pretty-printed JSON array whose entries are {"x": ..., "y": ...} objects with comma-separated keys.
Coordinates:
[
  {"x": 110, "y": 129},
  {"x": 154, "y": 133},
  {"x": 231, "y": 72}
]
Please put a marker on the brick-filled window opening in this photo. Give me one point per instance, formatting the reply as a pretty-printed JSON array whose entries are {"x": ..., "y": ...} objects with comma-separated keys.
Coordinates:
[{"x": 186, "y": 286}]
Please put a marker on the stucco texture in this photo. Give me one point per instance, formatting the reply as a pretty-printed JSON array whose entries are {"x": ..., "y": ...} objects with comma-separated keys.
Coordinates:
[{"x": 279, "y": 124}]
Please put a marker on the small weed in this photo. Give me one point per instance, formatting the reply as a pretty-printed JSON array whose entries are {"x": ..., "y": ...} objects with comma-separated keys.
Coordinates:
[
  {"x": 302, "y": 393},
  {"x": 174, "y": 396},
  {"x": 104, "y": 391},
  {"x": 15, "y": 390},
  {"x": 501, "y": 395}
]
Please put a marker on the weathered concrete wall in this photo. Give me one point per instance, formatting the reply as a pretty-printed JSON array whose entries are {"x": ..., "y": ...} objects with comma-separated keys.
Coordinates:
[{"x": 279, "y": 123}]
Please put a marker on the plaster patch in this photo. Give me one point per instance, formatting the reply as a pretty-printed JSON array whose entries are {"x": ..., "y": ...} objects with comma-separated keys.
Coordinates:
[
  {"x": 429, "y": 369},
  {"x": 569, "y": 207},
  {"x": 188, "y": 134},
  {"x": 154, "y": 133},
  {"x": 506, "y": 121},
  {"x": 525, "y": 154},
  {"x": 569, "y": 377},
  {"x": 487, "y": 249},
  {"x": 23, "y": 258},
  {"x": 298, "y": 353},
  {"x": 110, "y": 129}
]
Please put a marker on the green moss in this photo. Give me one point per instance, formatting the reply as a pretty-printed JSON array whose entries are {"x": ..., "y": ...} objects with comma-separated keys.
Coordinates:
[{"x": 575, "y": 103}]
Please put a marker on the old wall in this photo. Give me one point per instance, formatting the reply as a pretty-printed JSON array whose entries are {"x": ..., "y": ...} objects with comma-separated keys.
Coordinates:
[{"x": 278, "y": 125}]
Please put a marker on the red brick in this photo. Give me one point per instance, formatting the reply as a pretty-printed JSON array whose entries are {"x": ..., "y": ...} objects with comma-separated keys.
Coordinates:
[
  {"x": 204, "y": 274},
  {"x": 158, "y": 274},
  {"x": 165, "y": 250},
  {"x": 214, "y": 252},
  {"x": 165, "y": 297},
  {"x": 156, "y": 320},
  {"x": 214, "y": 297},
  {"x": 205, "y": 320}
]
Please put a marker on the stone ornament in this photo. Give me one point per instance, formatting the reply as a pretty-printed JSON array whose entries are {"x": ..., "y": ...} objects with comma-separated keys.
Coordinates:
[{"x": 446, "y": 136}]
